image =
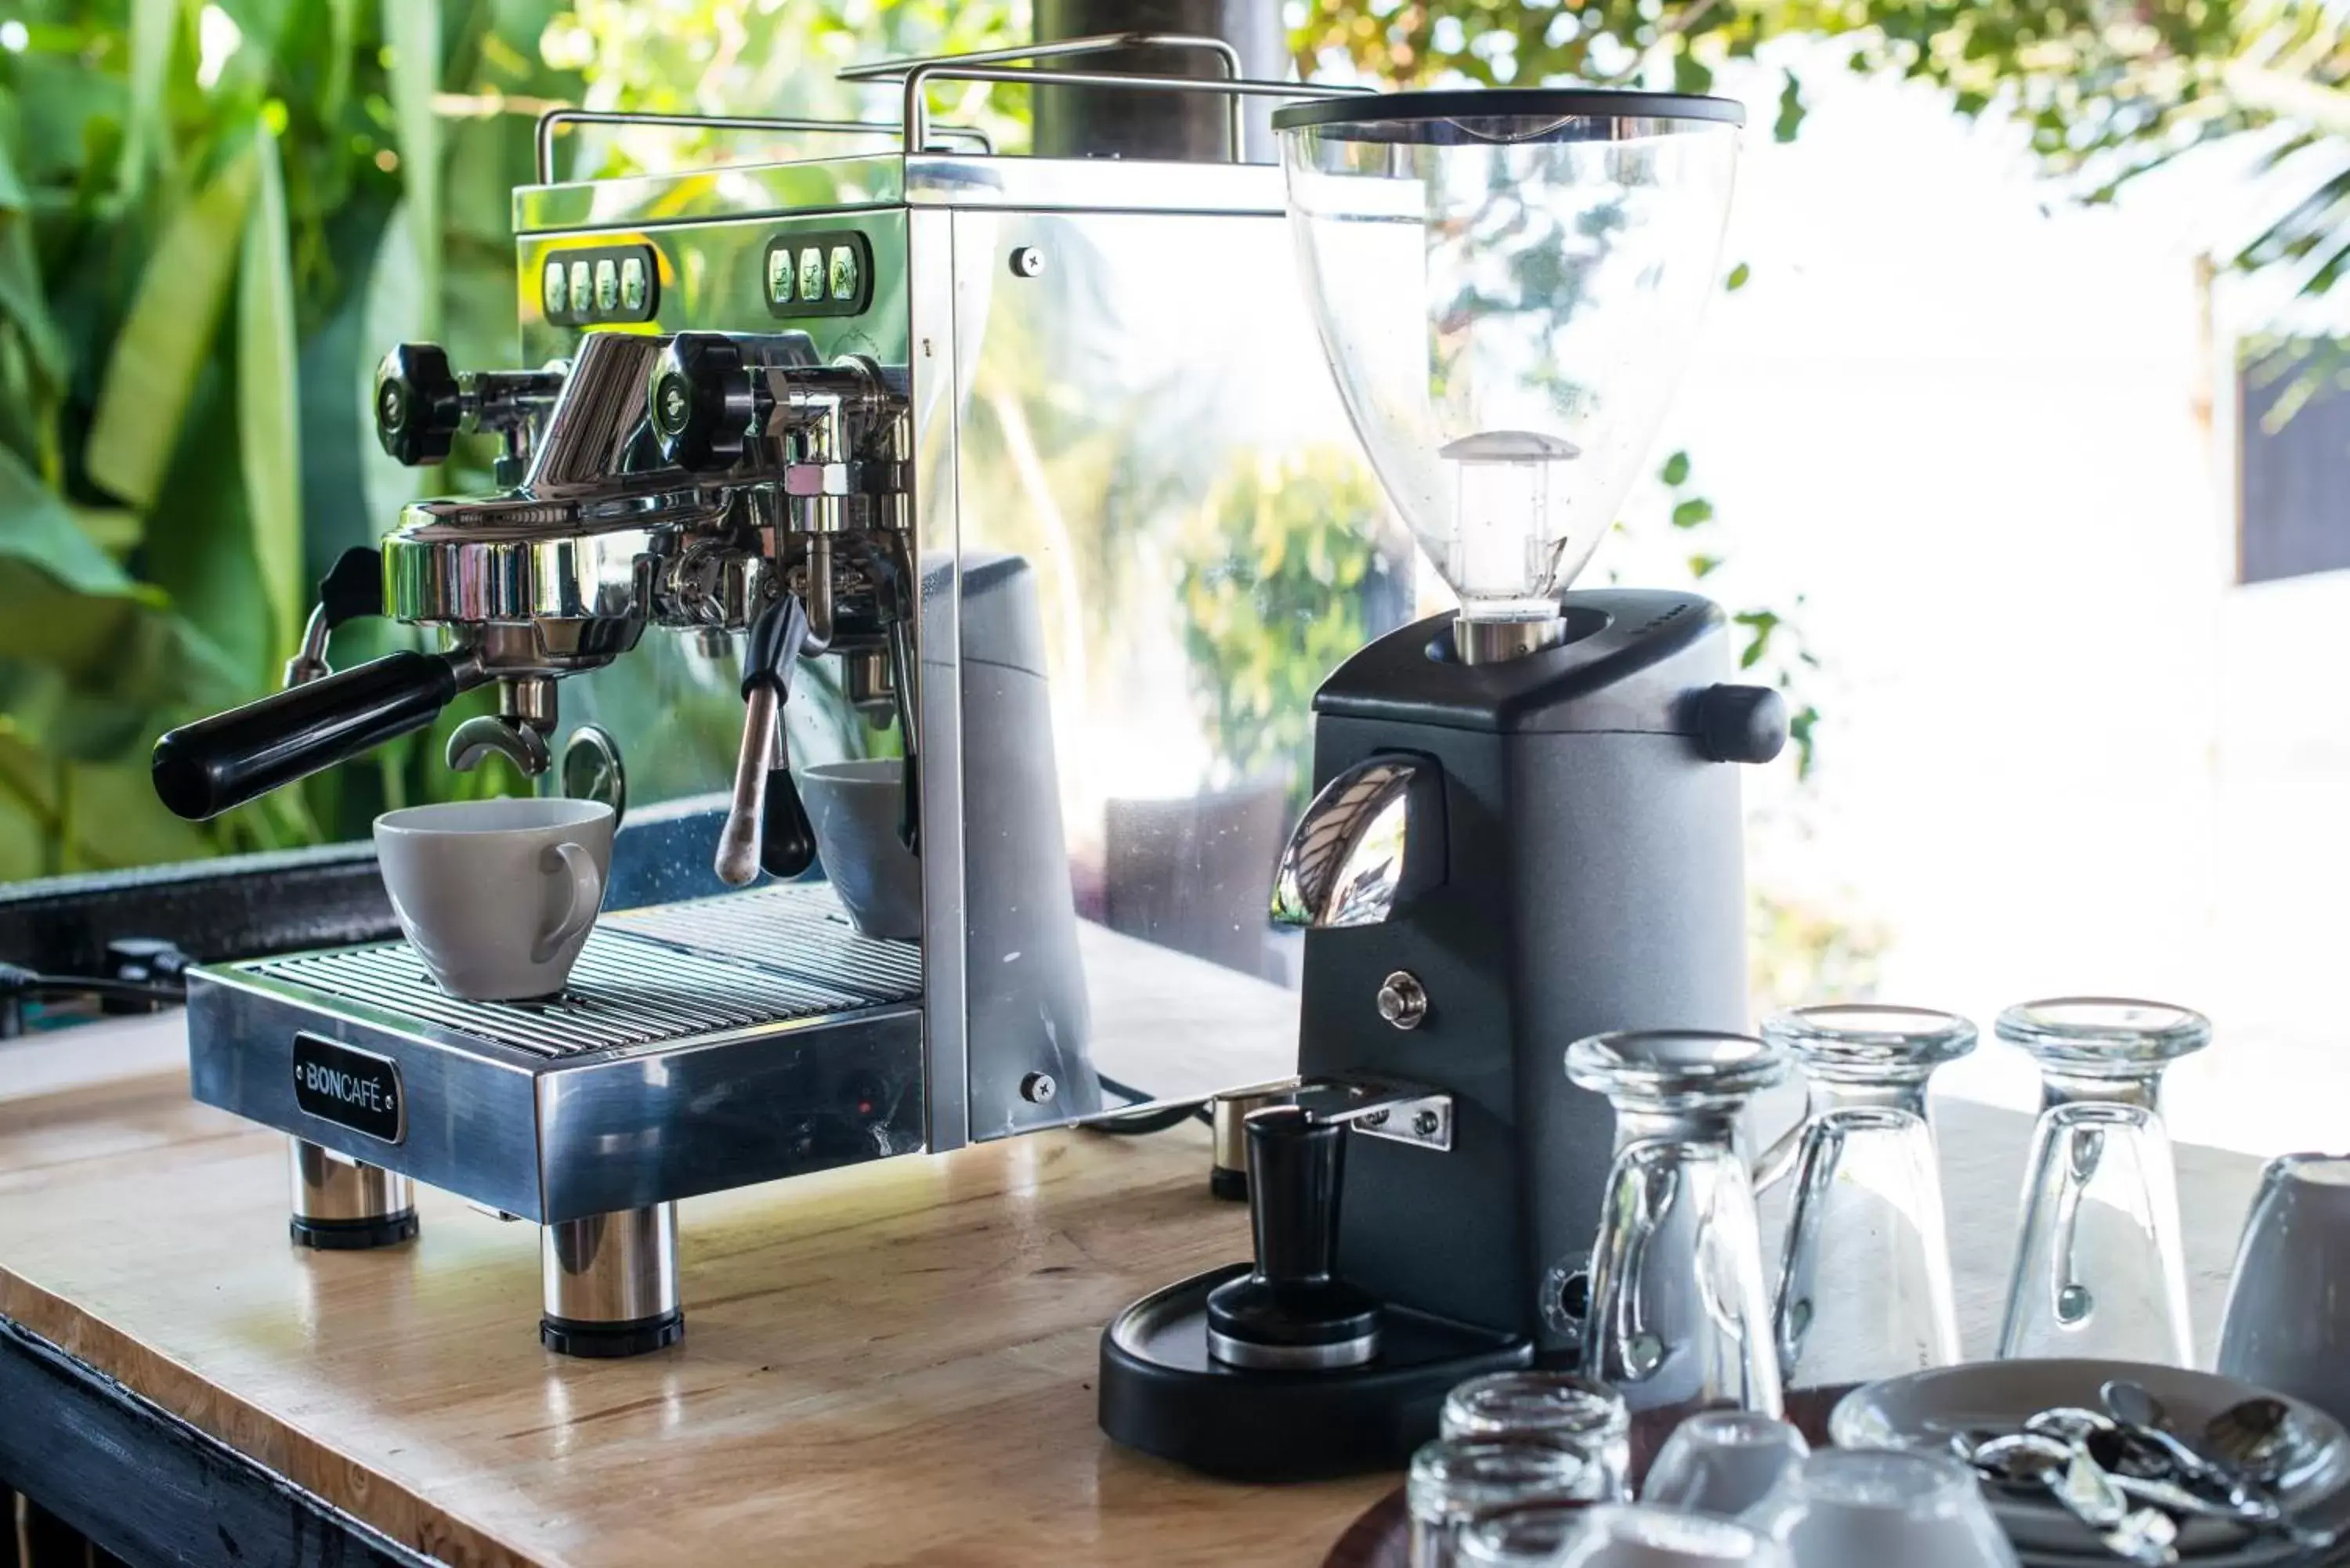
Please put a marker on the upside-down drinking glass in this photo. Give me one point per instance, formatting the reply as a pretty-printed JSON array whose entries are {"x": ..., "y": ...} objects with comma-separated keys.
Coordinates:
[
  {"x": 2099, "y": 1268},
  {"x": 1865, "y": 1276},
  {"x": 1454, "y": 1482},
  {"x": 1678, "y": 1312},
  {"x": 1565, "y": 1409}
]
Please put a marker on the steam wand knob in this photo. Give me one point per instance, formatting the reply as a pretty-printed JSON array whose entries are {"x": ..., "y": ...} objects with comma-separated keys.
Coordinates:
[{"x": 1292, "y": 1312}]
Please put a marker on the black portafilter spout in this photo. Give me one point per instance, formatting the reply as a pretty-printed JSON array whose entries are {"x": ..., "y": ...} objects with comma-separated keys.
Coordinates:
[
  {"x": 205, "y": 768},
  {"x": 767, "y": 828},
  {"x": 1292, "y": 1312}
]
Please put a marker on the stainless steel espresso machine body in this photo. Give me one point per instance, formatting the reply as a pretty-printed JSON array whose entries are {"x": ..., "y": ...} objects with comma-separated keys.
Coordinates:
[{"x": 934, "y": 454}]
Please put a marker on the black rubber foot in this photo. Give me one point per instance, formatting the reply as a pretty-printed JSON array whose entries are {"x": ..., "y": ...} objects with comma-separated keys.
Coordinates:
[
  {"x": 608, "y": 1341},
  {"x": 1231, "y": 1186},
  {"x": 353, "y": 1235},
  {"x": 1162, "y": 1393}
]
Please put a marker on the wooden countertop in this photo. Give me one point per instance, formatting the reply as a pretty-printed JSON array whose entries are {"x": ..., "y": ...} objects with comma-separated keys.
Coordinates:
[{"x": 893, "y": 1364}]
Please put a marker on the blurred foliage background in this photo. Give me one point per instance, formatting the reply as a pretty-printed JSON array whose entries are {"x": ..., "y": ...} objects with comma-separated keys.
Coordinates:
[{"x": 214, "y": 217}]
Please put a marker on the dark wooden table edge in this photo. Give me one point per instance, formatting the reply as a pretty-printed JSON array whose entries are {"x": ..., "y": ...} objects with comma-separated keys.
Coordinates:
[{"x": 150, "y": 1487}]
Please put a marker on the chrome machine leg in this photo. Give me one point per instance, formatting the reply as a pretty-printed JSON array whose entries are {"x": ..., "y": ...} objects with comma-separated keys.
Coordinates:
[
  {"x": 341, "y": 1205},
  {"x": 609, "y": 1283}
]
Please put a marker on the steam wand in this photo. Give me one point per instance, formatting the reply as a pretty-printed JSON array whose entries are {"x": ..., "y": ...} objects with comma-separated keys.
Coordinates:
[{"x": 766, "y": 829}]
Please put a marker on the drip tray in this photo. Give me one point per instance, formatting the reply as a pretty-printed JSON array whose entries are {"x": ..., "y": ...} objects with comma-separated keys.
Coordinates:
[
  {"x": 698, "y": 1046},
  {"x": 645, "y": 977}
]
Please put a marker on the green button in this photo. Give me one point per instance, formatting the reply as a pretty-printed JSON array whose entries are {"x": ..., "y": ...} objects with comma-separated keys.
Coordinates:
[
  {"x": 779, "y": 276},
  {"x": 632, "y": 283},
  {"x": 608, "y": 285},
  {"x": 842, "y": 268},
  {"x": 554, "y": 290},
  {"x": 811, "y": 275},
  {"x": 582, "y": 289}
]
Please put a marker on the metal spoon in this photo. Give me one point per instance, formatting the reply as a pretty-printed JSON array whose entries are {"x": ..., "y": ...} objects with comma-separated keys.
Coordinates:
[
  {"x": 2134, "y": 1405},
  {"x": 2037, "y": 1462},
  {"x": 2262, "y": 1437},
  {"x": 2270, "y": 1433}
]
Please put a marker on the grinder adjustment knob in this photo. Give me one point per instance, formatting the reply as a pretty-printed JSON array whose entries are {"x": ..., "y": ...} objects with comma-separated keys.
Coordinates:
[
  {"x": 1293, "y": 1312},
  {"x": 418, "y": 406},
  {"x": 705, "y": 400},
  {"x": 1740, "y": 723}
]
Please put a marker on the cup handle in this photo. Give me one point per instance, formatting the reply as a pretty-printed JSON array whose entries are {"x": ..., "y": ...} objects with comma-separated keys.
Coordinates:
[{"x": 586, "y": 898}]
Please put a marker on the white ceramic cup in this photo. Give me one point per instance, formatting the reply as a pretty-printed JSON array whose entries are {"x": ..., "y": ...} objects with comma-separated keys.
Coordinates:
[
  {"x": 856, "y": 809},
  {"x": 1722, "y": 1462},
  {"x": 2287, "y": 1329},
  {"x": 497, "y": 895},
  {"x": 1867, "y": 1507}
]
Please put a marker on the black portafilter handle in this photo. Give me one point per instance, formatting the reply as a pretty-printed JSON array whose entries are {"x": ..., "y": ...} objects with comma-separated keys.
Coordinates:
[
  {"x": 205, "y": 768},
  {"x": 1292, "y": 1312}
]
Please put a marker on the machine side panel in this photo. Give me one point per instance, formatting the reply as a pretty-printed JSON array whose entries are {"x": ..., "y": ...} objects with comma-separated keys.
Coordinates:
[
  {"x": 1644, "y": 927},
  {"x": 1154, "y": 468},
  {"x": 937, "y": 357}
]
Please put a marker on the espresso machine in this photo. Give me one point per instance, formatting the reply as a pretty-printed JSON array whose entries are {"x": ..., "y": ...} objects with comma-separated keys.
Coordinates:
[
  {"x": 904, "y": 451},
  {"x": 1526, "y": 826}
]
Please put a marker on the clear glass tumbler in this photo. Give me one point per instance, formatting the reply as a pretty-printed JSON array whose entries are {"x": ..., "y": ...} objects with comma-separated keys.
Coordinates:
[
  {"x": 2098, "y": 1266},
  {"x": 1454, "y": 1482},
  {"x": 1865, "y": 1275},
  {"x": 1525, "y": 1535},
  {"x": 1565, "y": 1409},
  {"x": 1678, "y": 1310}
]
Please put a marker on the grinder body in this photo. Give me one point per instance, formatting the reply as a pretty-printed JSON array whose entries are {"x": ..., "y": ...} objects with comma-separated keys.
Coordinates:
[{"x": 1592, "y": 880}]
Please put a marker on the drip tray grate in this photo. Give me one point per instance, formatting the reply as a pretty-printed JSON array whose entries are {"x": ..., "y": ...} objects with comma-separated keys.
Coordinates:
[{"x": 648, "y": 976}]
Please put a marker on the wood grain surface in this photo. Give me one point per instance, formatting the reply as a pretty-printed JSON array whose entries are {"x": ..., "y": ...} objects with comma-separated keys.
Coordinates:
[{"x": 892, "y": 1363}]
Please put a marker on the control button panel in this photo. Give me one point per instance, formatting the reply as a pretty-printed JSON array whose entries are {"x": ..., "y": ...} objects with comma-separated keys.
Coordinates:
[
  {"x": 827, "y": 273},
  {"x": 588, "y": 286}
]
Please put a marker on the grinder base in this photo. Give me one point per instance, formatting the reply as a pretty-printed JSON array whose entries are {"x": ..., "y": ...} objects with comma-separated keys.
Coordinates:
[{"x": 1164, "y": 1393}]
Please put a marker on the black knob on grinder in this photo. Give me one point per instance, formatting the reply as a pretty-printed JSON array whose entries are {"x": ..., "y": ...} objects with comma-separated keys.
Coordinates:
[
  {"x": 704, "y": 400},
  {"x": 1740, "y": 723},
  {"x": 418, "y": 406},
  {"x": 1292, "y": 1312}
]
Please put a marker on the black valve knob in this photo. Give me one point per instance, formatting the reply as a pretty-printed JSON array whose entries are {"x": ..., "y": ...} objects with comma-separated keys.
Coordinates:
[
  {"x": 1293, "y": 1312},
  {"x": 1740, "y": 723},
  {"x": 418, "y": 404},
  {"x": 705, "y": 400}
]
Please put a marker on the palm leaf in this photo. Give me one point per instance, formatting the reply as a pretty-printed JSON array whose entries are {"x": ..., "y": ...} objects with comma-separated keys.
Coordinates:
[
  {"x": 269, "y": 400},
  {"x": 413, "y": 29},
  {"x": 166, "y": 339}
]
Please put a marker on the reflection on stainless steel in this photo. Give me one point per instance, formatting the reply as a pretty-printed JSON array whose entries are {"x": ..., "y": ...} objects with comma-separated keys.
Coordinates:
[
  {"x": 491, "y": 734},
  {"x": 591, "y": 769},
  {"x": 1493, "y": 642},
  {"x": 1345, "y": 862},
  {"x": 617, "y": 1268},
  {"x": 335, "y": 1190}
]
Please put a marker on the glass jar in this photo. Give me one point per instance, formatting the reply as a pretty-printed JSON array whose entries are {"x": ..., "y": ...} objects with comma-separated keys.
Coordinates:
[{"x": 1678, "y": 1312}]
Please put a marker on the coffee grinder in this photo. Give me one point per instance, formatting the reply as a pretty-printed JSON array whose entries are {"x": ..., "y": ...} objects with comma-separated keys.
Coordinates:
[{"x": 1526, "y": 827}]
